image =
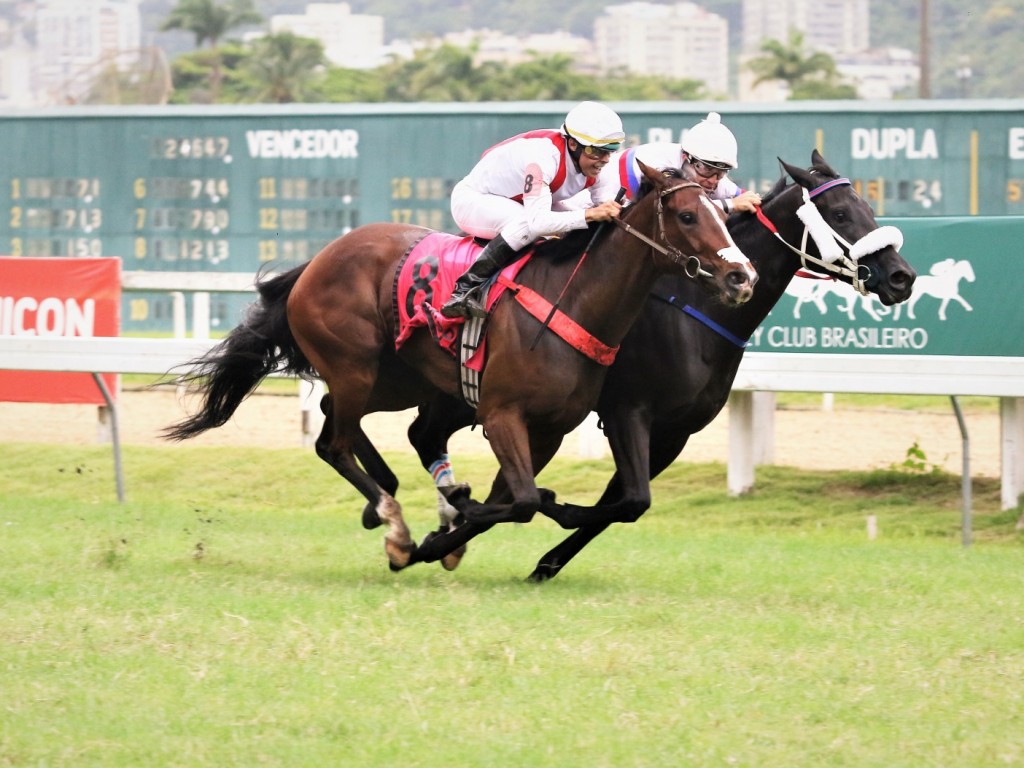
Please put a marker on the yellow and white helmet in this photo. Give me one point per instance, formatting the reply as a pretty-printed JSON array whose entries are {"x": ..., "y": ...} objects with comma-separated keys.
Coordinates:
[
  {"x": 594, "y": 125},
  {"x": 711, "y": 142}
]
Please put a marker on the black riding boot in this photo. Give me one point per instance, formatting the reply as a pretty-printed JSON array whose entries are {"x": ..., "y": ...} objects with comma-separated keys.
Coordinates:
[{"x": 466, "y": 300}]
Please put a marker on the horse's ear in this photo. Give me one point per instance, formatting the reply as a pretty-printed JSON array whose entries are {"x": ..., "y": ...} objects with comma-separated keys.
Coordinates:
[
  {"x": 657, "y": 179},
  {"x": 821, "y": 166},
  {"x": 799, "y": 175}
]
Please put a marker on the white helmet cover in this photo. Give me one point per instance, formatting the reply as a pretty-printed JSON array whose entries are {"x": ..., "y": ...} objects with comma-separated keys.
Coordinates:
[
  {"x": 596, "y": 125},
  {"x": 711, "y": 142}
]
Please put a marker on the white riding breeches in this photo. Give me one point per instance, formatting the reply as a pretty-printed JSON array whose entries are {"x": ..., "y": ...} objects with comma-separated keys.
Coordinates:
[{"x": 485, "y": 216}]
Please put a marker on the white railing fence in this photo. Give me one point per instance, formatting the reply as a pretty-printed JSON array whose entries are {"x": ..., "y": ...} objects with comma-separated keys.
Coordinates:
[{"x": 751, "y": 405}]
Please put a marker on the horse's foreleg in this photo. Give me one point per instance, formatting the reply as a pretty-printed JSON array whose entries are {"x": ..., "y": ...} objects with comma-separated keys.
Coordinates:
[
  {"x": 479, "y": 518},
  {"x": 511, "y": 444},
  {"x": 629, "y": 438},
  {"x": 666, "y": 443},
  {"x": 428, "y": 434}
]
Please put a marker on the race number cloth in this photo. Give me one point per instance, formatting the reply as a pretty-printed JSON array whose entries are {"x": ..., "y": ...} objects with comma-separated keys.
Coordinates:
[{"x": 425, "y": 282}]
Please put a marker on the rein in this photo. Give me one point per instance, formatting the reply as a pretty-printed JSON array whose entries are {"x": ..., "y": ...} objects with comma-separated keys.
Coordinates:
[
  {"x": 834, "y": 259},
  {"x": 691, "y": 264},
  {"x": 564, "y": 326},
  {"x": 700, "y": 317}
]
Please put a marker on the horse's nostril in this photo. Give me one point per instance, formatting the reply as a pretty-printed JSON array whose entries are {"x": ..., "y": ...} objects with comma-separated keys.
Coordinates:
[
  {"x": 902, "y": 279},
  {"x": 739, "y": 279}
]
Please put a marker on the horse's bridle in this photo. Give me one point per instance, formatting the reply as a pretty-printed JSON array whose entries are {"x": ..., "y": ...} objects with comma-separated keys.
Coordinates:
[
  {"x": 833, "y": 259},
  {"x": 680, "y": 258}
]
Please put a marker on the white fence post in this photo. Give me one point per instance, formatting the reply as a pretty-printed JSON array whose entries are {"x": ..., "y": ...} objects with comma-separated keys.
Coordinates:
[
  {"x": 178, "y": 321},
  {"x": 740, "y": 475},
  {"x": 310, "y": 393},
  {"x": 201, "y": 315},
  {"x": 592, "y": 442},
  {"x": 1011, "y": 445},
  {"x": 763, "y": 425}
]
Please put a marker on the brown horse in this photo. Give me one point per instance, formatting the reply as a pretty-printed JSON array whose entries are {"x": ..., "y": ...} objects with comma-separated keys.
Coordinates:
[
  {"x": 652, "y": 402},
  {"x": 334, "y": 316}
]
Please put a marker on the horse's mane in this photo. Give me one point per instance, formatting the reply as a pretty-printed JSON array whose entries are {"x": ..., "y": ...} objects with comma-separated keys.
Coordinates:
[
  {"x": 568, "y": 246},
  {"x": 571, "y": 245}
]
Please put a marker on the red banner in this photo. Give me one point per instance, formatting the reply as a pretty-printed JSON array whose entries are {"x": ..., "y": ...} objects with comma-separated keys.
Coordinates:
[{"x": 58, "y": 297}]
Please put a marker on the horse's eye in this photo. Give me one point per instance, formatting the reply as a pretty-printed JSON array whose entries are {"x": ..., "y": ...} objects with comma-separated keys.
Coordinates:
[
  {"x": 839, "y": 215},
  {"x": 686, "y": 217}
]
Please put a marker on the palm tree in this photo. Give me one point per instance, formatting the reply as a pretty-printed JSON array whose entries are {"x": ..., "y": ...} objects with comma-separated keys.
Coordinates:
[
  {"x": 445, "y": 73},
  {"x": 285, "y": 67},
  {"x": 209, "y": 22},
  {"x": 802, "y": 71}
]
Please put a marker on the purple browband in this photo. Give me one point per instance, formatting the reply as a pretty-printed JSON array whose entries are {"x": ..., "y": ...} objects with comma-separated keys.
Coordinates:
[{"x": 827, "y": 186}]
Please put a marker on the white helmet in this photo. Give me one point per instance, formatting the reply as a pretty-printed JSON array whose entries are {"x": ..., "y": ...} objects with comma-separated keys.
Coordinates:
[
  {"x": 711, "y": 142},
  {"x": 593, "y": 124}
]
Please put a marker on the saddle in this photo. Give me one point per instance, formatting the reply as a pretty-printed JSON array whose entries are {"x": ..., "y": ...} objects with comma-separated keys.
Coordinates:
[{"x": 424, "y": 280}]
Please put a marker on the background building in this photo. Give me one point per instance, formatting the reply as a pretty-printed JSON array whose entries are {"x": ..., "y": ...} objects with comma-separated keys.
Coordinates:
[
  {"x": 681, "y": 41},
  {"x": 351, "y": 40},
  {"x": 77, "y": 38},
  {"x": 832, "y": 26}
]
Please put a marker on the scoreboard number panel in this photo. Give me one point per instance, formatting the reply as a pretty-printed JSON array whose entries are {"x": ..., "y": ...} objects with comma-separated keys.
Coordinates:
[{"x": 240, "y": 189}]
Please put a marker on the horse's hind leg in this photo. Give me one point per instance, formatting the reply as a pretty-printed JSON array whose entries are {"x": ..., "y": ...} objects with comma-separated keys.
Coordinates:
[
  {"x": 340, "y": 437},
  {"x": 368, "y": 456},
  {"x": 375, "y": 466}
]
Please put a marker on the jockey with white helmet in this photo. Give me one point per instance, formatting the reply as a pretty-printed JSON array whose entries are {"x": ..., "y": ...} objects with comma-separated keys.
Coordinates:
[
  {"x": 705, "y": 155},
  {"x": 516, "y": 192}
]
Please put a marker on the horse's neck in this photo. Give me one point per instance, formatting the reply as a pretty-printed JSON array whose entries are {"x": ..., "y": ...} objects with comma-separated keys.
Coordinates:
[
  {"x": 774, "y": 262},
  {"x": 609, "y": 290}
]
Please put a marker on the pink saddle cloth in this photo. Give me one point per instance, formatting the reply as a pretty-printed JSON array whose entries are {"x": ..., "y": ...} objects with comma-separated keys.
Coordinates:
[{"x": 425, "y": 281}]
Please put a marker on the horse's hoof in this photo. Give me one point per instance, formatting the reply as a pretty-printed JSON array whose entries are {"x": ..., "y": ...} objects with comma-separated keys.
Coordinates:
[
  {"x": 547, "y": 496},
  {"x": 451, "y": 561},
  {"x": 453, "y": 494},
  {"x": 399, "y": 555},
  {"x": 371, "y": 519},
  {"x": 541, "y": 574},
  {"x": 517, "y": 515}
]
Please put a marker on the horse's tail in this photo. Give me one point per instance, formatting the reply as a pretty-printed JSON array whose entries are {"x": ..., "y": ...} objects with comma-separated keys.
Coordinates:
[{"x": 262, "y": 344}]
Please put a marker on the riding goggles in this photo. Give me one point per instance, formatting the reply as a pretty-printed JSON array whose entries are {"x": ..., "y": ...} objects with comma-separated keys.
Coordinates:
[{"x": 708, "y": 170}]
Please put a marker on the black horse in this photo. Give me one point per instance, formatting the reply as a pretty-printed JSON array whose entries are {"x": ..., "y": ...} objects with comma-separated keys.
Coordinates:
[{"x": 677, "y": 364}]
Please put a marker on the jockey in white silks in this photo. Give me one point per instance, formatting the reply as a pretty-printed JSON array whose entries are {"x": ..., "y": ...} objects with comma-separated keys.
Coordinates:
[
  {"x": 705, "y": 155},
  {"x": 516, "y": 193}
]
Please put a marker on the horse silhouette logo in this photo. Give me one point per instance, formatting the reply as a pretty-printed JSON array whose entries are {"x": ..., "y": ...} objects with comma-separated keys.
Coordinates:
[
  {"x": 816, "y": 291},
  {"x": 942, "y": 282}
]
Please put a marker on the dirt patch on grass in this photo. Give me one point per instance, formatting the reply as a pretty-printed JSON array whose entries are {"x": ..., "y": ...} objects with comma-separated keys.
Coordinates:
[{"x": 813, "y": 438}]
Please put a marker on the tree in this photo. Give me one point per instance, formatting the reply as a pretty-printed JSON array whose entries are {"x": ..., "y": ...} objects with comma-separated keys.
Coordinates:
[
  {"x": 809, "y": 74},
  {"x": 192, "y": 73},
  {"x": 286, "y": 68},
  {"x": 445, "y": 73},
  {"x": 210, "y": 22}
]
